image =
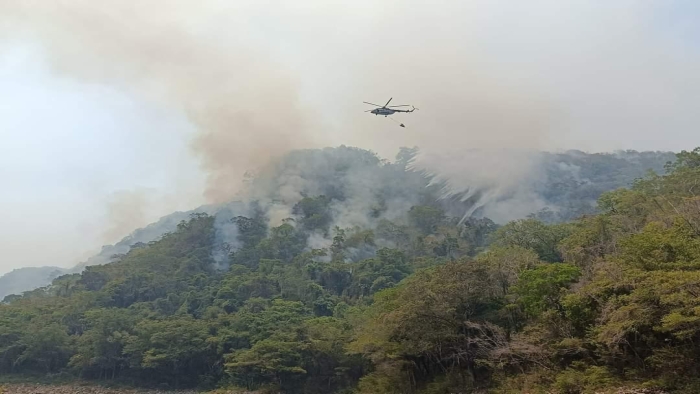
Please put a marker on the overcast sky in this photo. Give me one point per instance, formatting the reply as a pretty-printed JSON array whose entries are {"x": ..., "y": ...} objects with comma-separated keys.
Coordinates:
[{"x": 113, "y": 115}]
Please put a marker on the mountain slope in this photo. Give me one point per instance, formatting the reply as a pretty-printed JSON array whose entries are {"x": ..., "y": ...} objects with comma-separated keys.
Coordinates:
[
  {"x": 28, "y": 278},
  {"x": 358, "y": 279},
  {"x": 569, "y": 186}
]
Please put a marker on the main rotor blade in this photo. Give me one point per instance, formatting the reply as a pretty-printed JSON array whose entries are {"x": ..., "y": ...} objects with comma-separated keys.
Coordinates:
[
  {"x": 394, "y": 106},
  {"x": 387, "y": 103},
  {"x": 376, "y": 105}
]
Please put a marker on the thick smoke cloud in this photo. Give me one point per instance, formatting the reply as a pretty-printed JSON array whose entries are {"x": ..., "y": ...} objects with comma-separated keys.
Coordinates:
[
  {"x": 246, "y": 108},
  {"x": 258, "y": 79}
]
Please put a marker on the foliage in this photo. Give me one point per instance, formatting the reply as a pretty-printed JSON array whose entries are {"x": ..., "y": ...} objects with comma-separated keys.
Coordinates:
[
  {"x": 540, "y": 289},
  {"x": 534, "y": 235},
  {"x": 415, "y": 301}
]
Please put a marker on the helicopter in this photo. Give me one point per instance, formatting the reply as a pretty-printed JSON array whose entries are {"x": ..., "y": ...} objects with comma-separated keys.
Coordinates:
[{"x": 389, "y": 110}]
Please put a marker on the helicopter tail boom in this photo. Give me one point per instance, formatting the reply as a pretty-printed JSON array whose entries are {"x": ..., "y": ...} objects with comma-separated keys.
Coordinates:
[{"x": 406, "y": 110}]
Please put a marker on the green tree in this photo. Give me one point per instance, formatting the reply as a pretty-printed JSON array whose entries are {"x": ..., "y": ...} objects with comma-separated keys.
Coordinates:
[
  {"x": 177, "y": 349},
  {"x": 100, "y": 349},
  {"x": 535, "y": 235},
  {"x": 541, "y": 288},
  {"x": 45, "y": 347}
]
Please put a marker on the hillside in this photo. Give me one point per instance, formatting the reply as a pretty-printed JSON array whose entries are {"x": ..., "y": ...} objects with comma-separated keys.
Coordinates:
[
  {"x": 569, "y": 186},
  {"x": 28, "y": 278},
  {"x": 357, "y": 279}
]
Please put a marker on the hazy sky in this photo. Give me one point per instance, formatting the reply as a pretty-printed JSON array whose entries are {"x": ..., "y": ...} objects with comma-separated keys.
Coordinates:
[{"x": 115, "y": 114}]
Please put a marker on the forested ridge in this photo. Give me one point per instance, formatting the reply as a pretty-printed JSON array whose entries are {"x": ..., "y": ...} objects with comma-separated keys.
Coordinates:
[
  {"x": 566, "y": 185},
  {"x": 362, "y": 279}
]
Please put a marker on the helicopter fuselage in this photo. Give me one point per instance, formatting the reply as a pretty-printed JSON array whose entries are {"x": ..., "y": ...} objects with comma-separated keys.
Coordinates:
[
  {"x": 386, "y": 111},
  {"x": 383, "y": 111}
]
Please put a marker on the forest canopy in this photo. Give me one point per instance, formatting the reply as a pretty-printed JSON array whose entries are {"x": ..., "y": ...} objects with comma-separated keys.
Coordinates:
[{"x": 363, "y": 280}]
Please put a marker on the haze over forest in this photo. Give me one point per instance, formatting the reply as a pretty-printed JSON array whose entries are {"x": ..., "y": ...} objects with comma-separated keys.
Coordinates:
[
  {"x": 195, "y": 197},
  {"x": 116, "y": 113}
]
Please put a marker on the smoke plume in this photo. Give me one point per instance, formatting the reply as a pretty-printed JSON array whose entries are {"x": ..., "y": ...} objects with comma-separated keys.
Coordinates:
[
  {"x": 493, "y": 81},
  {"x": 246, "y": 108}
]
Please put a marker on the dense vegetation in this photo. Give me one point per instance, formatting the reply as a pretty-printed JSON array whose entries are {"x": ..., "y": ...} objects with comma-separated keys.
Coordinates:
[
  {"x": 28, "y": 278},
  {"x": 567, "y": 183},
  {"x": 413, "y": 301}
]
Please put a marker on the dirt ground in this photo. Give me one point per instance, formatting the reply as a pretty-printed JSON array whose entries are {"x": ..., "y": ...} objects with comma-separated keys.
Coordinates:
[
  {"x": 74, "y": 389},
  {"x": 40, "y": 389}
]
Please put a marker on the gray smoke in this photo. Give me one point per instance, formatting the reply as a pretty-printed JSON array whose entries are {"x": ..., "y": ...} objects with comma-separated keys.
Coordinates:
[
  {"x": 259, "y": 79},
  {"x": 174, "y": 56}
]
